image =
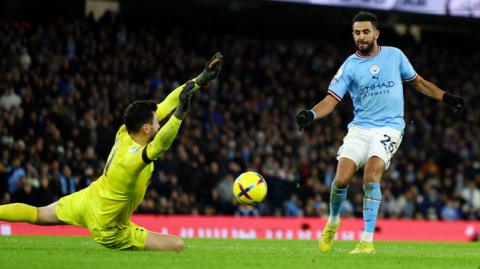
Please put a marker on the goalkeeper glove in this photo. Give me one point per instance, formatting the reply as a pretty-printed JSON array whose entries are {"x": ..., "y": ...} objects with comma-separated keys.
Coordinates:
[
  {"x": 185, "y": 100},
  {"x": 304, "y": 118},
  {"x": 455, "y": 101},
  {"x": 211, "y": 71}
]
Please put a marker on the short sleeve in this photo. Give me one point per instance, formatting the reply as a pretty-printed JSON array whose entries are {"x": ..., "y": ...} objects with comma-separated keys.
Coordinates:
[
  {"x": 340, "y": 83},
  {"x": 406, "y": 69}
]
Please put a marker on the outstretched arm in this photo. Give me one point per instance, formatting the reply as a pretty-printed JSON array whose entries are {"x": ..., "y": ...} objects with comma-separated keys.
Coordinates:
[
  {"x": 431, "y": 90},
  {"x": 211, "y": 71},
  {"x": 165, "y": 136},
  {"x": 323, "y": 108},
  {"x": 427, "y": 88},
  {"x": 162, "y": 141},
  {"x": 171, "y": 102}
]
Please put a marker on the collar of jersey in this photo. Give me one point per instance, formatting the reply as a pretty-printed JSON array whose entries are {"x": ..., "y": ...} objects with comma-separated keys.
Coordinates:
[
  {"x": 366, "y": 57},
  {"x": 134, "y": 143}
]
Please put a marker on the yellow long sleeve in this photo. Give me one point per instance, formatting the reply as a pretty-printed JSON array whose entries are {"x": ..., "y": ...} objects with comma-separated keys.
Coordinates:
[
  {"x": 171, "y": 102},
  {"x": 164, "y": 138}
]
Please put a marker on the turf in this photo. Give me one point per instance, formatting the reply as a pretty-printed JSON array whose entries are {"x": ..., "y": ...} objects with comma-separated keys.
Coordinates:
[{"x": 82, "y": 252}]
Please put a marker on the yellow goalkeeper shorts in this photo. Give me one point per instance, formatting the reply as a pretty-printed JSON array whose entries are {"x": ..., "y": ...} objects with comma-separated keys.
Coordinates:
[
  {"x": 131, "y": 237},
  {"x": 72, "y": 209}
]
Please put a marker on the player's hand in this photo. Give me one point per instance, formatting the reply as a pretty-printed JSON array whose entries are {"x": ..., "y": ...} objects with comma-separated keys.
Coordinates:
[
  {"x": 211, "y": 71},
  {"x": 457, "y": 102},
  {"x": 304, "y": 118},
  {"x": 185, "y": 99}
]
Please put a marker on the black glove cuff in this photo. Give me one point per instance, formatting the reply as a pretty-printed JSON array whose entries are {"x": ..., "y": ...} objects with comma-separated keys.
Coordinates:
[
  {"x": 178, "y": 113},
  {"x": 452, "y": 99},
  {"x": 201, "y": 79}
]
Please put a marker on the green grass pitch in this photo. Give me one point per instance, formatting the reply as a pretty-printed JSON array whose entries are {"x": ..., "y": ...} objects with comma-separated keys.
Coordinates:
[{"x": 81, "y": 252}]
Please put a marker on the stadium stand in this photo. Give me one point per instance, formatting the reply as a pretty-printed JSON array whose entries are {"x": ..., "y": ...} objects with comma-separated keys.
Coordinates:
[{"x": 64, "y": 86}]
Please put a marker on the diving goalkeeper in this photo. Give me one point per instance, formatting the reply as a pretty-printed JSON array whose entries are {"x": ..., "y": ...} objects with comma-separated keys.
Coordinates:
[{"x": 106, "y": 206}]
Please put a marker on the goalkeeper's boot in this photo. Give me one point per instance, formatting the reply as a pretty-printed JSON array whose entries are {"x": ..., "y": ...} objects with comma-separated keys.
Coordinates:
[
  {"x": 328, "y": 234},
  {"x": 364, "y": 247}
]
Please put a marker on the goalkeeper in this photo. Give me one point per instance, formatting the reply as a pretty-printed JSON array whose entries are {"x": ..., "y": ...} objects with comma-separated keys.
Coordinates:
[{"x": 105, "y": 207}]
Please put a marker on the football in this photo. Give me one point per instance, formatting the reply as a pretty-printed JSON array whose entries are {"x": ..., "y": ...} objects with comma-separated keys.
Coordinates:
[{"x": 250, "y": 188}]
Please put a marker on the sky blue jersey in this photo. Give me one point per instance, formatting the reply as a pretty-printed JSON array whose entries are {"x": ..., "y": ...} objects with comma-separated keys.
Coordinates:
[{"x": 375, "y": 86}]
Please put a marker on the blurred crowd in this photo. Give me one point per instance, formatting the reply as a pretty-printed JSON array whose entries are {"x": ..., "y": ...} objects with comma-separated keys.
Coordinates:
[{"x": 64, "y": 86}]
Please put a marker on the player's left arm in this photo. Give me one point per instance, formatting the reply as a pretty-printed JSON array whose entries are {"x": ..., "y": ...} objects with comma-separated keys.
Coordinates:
[
  {"x": 211, "y": 71},
  {"x": 427, "y": 88},
  {"x": 165, "y": 136},
  {"x": 433, "y": 91},
  {"x": 171, "y": 102}
]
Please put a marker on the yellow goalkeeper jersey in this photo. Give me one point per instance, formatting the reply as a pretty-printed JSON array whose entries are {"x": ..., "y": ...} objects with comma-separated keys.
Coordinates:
[{"x": 112, "y": 199}]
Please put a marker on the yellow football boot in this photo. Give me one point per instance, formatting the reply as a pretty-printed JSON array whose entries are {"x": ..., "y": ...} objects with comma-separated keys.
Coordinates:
[
  {"x": 328, "y": 234},
  {"x": 364, "y": 247}
]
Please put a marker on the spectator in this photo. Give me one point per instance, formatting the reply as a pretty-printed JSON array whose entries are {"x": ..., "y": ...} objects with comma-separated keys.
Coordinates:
[
  {"x": 62, "y": 98},
  {"x": 17, "y": 173},
  {"x": 25, "y": 60},
  {"x": 451, "y": 210},
  {"x": 292, "y": 207},
  {"x": 10, "y": 100},
  {"x": 67, "y": 181},
  {"x": 246, "y": 211},
  {"x": 471, "y": 195}
]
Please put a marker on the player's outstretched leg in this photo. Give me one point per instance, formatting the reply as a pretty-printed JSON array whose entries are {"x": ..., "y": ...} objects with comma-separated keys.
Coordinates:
[
  {"x": 163, "y": 242},
  {"x": 18, "y": 212},
  {"x": 371, "y": 203},
  {"x": 345, "y": 170},
  {"x": 48, "y": 216}
]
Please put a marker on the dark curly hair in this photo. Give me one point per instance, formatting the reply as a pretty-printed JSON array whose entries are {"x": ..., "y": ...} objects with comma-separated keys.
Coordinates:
[
  {"x": 137, "y": 114},
  {"x": 366, "y": 16}
]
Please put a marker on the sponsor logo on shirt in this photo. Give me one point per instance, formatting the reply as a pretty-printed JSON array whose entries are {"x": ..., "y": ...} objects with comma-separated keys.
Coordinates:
[{"x": 377, "y": 88}]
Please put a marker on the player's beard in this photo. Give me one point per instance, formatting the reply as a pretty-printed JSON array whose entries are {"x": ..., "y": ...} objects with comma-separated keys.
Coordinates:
[
  {"x": 152, "y": 136},
  {"x": 367, "y": 49}
]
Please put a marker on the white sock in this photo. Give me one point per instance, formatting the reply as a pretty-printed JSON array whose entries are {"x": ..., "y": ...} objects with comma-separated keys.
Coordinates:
[
  {"x": 367, "y": 237},
  {"x": 334, "y": 220}
]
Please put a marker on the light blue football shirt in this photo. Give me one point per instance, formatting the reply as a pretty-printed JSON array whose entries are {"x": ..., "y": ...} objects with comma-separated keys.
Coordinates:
[{"x": 375, "y": 86}]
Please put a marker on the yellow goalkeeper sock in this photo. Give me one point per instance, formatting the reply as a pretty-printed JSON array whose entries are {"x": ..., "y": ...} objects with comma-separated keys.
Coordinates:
[{"x": 18, "y": 213}]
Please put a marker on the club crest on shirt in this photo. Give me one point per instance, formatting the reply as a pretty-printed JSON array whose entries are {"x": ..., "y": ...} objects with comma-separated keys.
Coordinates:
[{"x": 374, "y": 69}]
